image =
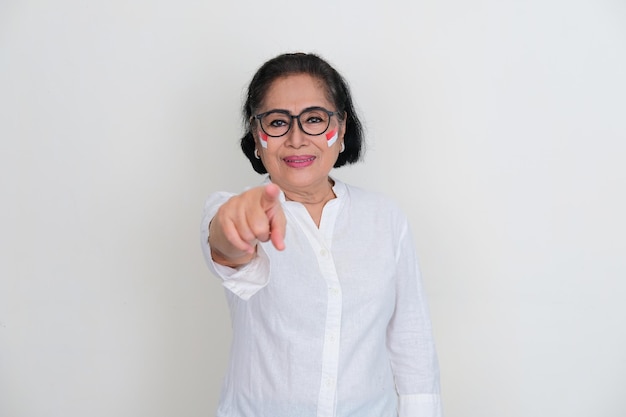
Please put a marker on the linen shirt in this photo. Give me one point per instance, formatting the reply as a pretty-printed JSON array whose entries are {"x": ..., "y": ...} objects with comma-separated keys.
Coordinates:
[{"x": 337, "y": 324}]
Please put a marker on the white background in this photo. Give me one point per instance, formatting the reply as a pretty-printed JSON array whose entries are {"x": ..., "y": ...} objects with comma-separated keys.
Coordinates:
[{"x": 499, "y": 126}]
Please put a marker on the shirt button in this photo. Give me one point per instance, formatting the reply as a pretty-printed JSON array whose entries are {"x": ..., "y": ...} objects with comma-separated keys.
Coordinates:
[{"x": 323, "y": 252}]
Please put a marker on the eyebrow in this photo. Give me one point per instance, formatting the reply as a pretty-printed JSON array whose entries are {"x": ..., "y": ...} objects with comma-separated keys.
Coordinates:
[{"x": 301, "y": 111}]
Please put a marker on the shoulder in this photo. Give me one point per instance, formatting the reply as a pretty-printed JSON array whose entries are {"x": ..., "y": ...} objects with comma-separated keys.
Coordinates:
[
  {"x": 372, "y": 197},
  {"x": 375, "y": 202},
  {"x": 218, "y": 198}
]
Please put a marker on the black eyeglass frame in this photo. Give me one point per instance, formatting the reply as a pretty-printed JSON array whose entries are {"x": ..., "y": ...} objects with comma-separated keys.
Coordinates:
[{"x": 297, "y": 117}]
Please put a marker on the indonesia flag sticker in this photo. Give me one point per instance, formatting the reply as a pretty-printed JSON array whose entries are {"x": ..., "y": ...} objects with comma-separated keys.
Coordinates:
[
  {"x": 331, "y": 137},
  {"x": 263, "y": 138}
]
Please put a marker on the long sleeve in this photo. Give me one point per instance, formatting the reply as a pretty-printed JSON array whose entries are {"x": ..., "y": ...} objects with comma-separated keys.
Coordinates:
[
  {"x": 244, "y": 281},
  {"x": 410, "y": 341}
]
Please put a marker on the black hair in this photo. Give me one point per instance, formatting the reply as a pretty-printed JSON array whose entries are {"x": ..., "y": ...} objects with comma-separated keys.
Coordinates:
[{"x": 337, "y": 90}]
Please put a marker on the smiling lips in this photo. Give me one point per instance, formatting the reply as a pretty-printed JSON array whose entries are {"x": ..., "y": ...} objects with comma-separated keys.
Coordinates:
[{"x": 299, "y": 161}]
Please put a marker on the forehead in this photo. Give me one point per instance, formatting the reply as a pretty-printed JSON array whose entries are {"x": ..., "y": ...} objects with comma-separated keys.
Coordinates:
[{"x": 296, "y": 92}]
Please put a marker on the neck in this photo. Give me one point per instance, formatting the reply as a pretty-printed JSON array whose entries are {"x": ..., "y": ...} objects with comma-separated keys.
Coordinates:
[
  {"x": 317, "y": 197},
  {"x": 314, "y": 202}
]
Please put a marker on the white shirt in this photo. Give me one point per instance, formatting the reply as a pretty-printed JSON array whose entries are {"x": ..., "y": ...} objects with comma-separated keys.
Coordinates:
[{"x": 337, "y": 323}]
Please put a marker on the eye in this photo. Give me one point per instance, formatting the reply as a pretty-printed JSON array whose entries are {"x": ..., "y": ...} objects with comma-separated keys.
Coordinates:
[
  {"x": 314, "y": 117},
  {"x": 277, "y": 123},
  {"x": 276, "y": 120}
]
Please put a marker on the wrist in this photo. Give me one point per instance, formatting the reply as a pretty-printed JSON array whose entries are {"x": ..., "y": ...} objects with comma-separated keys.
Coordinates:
[{"x": 232, "y": 261}]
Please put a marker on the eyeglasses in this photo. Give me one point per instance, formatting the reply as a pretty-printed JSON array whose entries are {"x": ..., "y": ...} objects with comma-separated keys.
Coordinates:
[{"x": 313, "y": 121}]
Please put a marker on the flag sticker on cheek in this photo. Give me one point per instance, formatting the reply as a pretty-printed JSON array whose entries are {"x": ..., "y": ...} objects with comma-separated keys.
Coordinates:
[
  {"x": 263, "y": 139},
  {"x": 331, "y": 137}
]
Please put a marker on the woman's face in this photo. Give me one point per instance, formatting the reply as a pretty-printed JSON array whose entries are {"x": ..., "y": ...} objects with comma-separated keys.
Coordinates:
[{"x": 299, "y": 162}]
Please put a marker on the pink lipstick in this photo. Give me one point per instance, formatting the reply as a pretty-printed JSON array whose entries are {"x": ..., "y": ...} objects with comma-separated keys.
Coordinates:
[{"x": 299, "y": 161}]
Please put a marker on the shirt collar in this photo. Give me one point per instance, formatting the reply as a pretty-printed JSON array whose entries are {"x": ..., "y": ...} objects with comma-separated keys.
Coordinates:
[{"x": 339, "y": 188}]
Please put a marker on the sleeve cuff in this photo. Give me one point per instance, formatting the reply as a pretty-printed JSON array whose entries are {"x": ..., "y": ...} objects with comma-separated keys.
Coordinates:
[
  {"x": 248, "y": 279},
  {"x": 420, "y": 405}
]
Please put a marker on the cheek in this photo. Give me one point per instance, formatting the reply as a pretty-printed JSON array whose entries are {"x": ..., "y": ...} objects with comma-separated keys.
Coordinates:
[
  {"x": 331, "y": 137},
  {"x": 270, "y": 151},
  {"x": 262, "y": 139}
]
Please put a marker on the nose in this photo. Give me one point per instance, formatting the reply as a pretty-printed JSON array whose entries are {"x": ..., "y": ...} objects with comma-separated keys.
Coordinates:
[{"x": 296, "y": 136}]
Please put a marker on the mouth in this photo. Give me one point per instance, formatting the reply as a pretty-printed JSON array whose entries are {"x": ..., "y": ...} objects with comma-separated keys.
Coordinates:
[{"x": 299, "y": 161}]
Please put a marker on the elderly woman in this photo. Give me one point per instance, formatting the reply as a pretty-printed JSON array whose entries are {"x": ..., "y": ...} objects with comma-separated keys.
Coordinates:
[{"x": 328, "y": 313}]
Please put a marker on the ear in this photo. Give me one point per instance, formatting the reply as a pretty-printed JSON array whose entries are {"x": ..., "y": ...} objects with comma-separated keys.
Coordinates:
[
  {"x": 253, "y": 128},
  {"x": 343, "y": 124},
  {"x": 255, "y": 136}
]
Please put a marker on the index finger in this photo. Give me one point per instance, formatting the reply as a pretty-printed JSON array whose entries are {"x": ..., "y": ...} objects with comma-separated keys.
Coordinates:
[
  {"x": 269, "y": 197},
  {"x": 278, "y": 225}
]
